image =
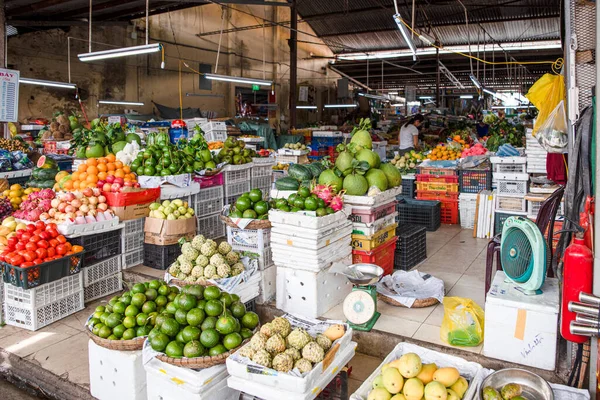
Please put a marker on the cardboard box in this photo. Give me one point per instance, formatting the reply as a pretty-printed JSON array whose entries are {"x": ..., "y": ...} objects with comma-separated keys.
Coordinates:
[
  {"x": 164, "y": 232},
  {"x": 134, "y": 211}
]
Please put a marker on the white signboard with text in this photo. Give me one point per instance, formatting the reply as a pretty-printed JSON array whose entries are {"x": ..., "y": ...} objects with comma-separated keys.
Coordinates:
[{"x": 9, "y": 95}]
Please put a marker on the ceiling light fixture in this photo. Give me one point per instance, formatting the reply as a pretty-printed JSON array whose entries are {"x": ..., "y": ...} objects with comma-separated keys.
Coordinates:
[
  {"x": 425, "y": 97},
  {"x": 466, "y": 96},
  {"x": 397, "y": 105},
  {"x": 340, "y": 105},
  {"x": 306, "y": 107},
  {"x": 404, "y": 31},
  {"x": 124, "y": 103},
  {"x": 475, "y": 82},
  {"x": 41, "y": 82},
  {"x": 393, "y": 93},
  {"x": 120, "y": 52},
  {"x": 235, "y": 79},
  {"x": 374, "y": 96}
]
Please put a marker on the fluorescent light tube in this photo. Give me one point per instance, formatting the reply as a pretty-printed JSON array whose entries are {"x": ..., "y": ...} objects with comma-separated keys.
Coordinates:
[
  {"x": 475, "y": 81},
  {"x": 235, "y": 79},
  {"x": 393, "y": 93},
  {"x": 466, "y": 96},
  {"x": 124, "y": 103},
  {"x": 405, "y": 35},
  {"x": 398, "y": 105},
  {"x": 121, "y": 52},
  {"x": 306, "y": 107},
  {"x": 373, "y": 96},
  {"x": 489, "y": 92},
  {"x": 505, "y": 107},
  {"x": 426, "y": 97},
  {"x": 41, "y": 82},
  {"x": 339, "y": 105}
]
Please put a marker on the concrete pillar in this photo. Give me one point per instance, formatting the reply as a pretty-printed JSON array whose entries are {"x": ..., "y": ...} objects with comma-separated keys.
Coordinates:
[
  {"x": 3, "y": 40},
  {"x": 293, "y": 63}
]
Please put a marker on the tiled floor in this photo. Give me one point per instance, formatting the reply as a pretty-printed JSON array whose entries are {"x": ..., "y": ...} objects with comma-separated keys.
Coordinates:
[{"x": 454, "y": 256}]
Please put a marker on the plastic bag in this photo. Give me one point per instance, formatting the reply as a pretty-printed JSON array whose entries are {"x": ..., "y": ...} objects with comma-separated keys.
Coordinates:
[
  {"x": 552, "y": 134},
  {"x": 463, "y": 322},
  {"x": 545, "y": 94}
]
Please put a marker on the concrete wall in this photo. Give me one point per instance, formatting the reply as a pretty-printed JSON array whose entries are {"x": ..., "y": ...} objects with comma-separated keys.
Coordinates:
[{"x": 43, "y": 55}]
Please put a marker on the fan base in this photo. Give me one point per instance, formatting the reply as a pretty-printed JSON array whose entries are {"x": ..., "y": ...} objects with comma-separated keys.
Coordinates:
[{"x": 526, "y": 292}]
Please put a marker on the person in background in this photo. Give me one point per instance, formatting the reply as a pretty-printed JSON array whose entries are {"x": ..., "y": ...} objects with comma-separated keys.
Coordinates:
[
  {"x": 501, "y": 114},
  {"x": 482, "y": 128},
  {"x": 408, "y": 139}
]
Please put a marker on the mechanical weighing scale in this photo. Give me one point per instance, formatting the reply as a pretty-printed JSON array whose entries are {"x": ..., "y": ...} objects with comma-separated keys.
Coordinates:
[{"x": 360, "y": 306}]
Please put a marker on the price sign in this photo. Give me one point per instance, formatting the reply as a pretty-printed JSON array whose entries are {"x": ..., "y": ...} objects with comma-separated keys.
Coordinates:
[{"x": 9, "y": 95}]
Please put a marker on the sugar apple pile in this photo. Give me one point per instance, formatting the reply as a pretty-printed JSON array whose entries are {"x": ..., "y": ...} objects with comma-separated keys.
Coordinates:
[
  {"x": 203, "y": 259},
  {"x": 282, "y": 348}
]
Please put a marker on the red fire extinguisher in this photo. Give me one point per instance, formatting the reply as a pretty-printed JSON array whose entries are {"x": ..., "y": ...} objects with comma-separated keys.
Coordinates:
[{"x": 578, "y": 262}]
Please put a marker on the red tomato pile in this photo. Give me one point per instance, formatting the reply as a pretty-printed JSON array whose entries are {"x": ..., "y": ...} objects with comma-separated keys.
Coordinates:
[{"x": 37, "y": 244}]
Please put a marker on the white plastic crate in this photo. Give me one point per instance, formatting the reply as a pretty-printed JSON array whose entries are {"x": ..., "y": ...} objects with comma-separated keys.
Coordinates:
[
  {"x": 34, "y": 318},
  {"x": 116, "y": 374},
  {"x": 101, "y": 270},
  {"x": 268, "y": 285},
  {"x": 215, "y": 136},
  {"x": 509, "y": 164},
  {"x": 511, "y": 184},
  {"x": 237, "y": 173},
  {"x": 236, "y": 189},
  {"x": 262, "y": 182},
  {"x": 310, "y": 293},
  {"x": 249, "y": 289},
  {"x": 467, "y": 206},
  {"x": 262, "y": 170},
  {"x": 248, "y": 239},
  {"x": 132, "y": 242},
  {"x": 134, "y": 226},
  {"x": 533, "y": 208},
  {"x": 192, "y": 122},
  {"x": 172, "y": 192},
  {"x": 105, "y": 287},
  {"x": 166, "y": 382},
  {"x": 511, "y": 204},
  {"x": 214, "y": 126},
  {"x": 211, "y": 227},
  {"x": 209, "y": 200},
  {"x": 44, "y": 294},
  {"x": 132, "y": 259}
]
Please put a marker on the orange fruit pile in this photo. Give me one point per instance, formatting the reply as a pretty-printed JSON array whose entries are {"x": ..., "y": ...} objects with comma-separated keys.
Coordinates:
[{"x": 97, "y": 169}]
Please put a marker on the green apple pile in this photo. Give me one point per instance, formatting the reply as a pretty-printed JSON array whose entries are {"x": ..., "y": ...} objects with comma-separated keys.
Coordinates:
[
  {"x": 250, "y": 205},
  {"x": 407, "y": 378},
  {"x": 171, "y": 210},
  {"x": 133, "y": 314},
  {"x": 202, "y": 321}
]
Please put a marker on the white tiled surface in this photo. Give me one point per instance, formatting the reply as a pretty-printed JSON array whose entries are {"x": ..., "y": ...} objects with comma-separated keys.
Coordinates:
[{"x": 454, "y": 256}]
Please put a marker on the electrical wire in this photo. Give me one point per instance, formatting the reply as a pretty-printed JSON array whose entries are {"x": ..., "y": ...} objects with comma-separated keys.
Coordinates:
[
  {"x": 180, "y": 93},
  {"x": 220, "y": 39}
]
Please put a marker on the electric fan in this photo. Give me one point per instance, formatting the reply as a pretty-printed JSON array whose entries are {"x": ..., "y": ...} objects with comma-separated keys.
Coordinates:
[{"x": 524, "y": 254}]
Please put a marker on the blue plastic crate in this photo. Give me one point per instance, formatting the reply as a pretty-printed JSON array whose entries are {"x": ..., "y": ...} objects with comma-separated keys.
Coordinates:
[{"x": 318, "y": 142}]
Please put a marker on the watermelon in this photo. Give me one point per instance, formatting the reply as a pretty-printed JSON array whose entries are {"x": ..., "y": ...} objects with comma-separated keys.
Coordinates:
[
  {"x": 299, "y": 172},
  {"x": 46, "y": 162},
  {"x": 287, "y": 183},
  {"x": 315, "y": 169}
]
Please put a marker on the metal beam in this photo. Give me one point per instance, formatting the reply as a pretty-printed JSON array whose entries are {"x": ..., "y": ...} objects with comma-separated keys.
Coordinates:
[
  {"x": 80, "y": 22},
  {"x": 85, "y": 10},
  {"x": 351, "y": 79},
  {"x": 35, "y": 6}
]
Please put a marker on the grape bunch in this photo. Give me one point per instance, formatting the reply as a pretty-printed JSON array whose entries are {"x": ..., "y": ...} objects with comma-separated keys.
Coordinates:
[{"x": 5, "y": 208}]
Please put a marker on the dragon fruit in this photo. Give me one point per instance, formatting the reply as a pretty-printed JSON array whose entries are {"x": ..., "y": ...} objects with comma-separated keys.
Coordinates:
[
  {"x": 324, "y": 192},
  {"x": 337, "y": 203}
]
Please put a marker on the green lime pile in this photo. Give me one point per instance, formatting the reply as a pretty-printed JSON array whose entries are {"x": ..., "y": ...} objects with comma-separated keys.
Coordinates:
[
  {"x": 201, "y": 321},
  {"x": 250, "y": 205},
  {"x": 303, "y": 200},
  {"x": 134, "y": 313}
]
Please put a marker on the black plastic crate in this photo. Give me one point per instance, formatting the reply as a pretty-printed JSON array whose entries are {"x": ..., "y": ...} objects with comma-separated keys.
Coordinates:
[
  {"x": 99, "y": 246},
  {"x": 474, "y": 180},
  {"x": 500, "y": 218},
  {"x": 251, "y": 305},
  {"x": 411, "y": 246},
  {"x": 425, "y": 213},
  {"x": 408, "y": 188},
  {"x": 21, "y": 180},
  {"x": 160, "y": 257},
  {"x": 47, "y": 272}
]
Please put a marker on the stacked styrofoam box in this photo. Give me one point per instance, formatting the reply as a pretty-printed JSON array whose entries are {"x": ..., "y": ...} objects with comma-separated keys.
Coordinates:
[
  {"x": 267, "y": 384},
  {"x": 132, "y": 243},
  {"x": 208, "y": 204},
  {"x": 511, "y": 189},
  {"x": 536, "y": 155},
  {"x": 169, "y": 382},
  {"x": 116, "y": 374},
  {"x": 37, "y": 307},
  {"x": 304, "y": 248},
  {"x": 237, "y": 179}
]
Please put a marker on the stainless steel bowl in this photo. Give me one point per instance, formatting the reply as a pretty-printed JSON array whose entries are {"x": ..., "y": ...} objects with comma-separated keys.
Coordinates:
[
  {"x": 363, "y": 274},
  {"x": 534, "y": 386}
]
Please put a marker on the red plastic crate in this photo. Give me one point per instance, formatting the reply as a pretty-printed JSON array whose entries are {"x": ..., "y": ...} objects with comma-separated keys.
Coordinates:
[
  {"x": 436, "y": 195},
  {"x": 382, "y": 256},
  {"x": 437, "y": 178},
  {"x": 209, "y": 181},
  {"x": 449, "y": 212}
]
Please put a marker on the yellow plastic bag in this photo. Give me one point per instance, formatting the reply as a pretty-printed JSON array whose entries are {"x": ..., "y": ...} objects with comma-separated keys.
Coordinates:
[
  {"x": 463, "y": 322},
  {"x": 545, "y": 94}
]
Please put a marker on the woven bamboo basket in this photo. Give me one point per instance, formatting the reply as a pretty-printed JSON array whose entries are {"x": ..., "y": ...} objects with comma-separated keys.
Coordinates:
[
  {"x": 200, "y": 362},
  {"x": 255, "y": 224},
  {"x": 120, "y": 345}
]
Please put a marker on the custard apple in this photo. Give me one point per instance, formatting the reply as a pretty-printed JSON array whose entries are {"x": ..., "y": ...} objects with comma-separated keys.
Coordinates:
[
  {"x": 190, "y": 279},
  {"x": 223, "y": 270},
  {"x": 258, "y": 342},
  {"x": 283, "y": 363},
  {"x": 181, "y": 276},
  {"x": 209, "y": 271},
  {"x": 181, "y": 258},
  {"x": 186, "y": 267},
  {"x": 262, "y": 357},
  {"x": 232, "y": 257},
  {"x": 313, "y": 352},
  {"x": 267, "y": 330},
  {"x": 275, "y": 344},
  {"x": 237, "y": 269},
  {"x": 298, "y": 338},
  {"x": 201, "y": 280},
  {"x": 246, "y": 351},
  {"x": 303, "y": 365},
  {"x": 224, "y": 248},
  {"x": 208, "y": 249},
  {"x": 189, "y": 252},
  {"x": 217, "y": 259},
  {"x": 174, "y": 268},
  {"x": 323, "y": 341},
  {"x": 202, "y": 260},
  {"x": 294, "y": 353},
  {"x": 281, "y": 326},
  {"x": 198, "y": 241},
  {"x": 197, "y": 271}
]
